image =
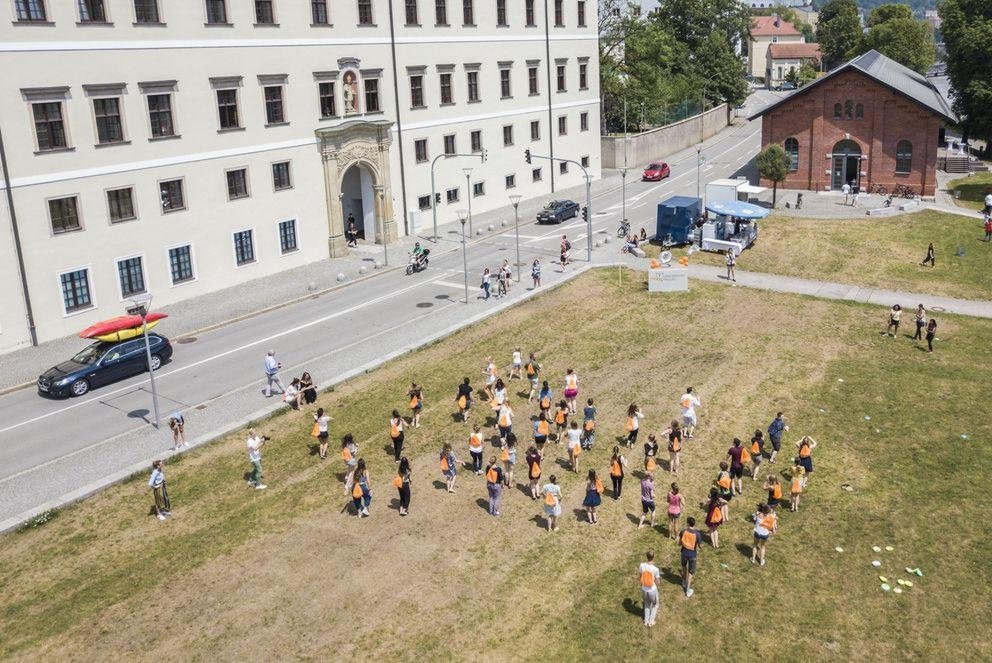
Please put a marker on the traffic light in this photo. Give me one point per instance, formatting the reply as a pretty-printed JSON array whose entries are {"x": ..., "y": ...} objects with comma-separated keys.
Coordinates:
[
  {"x": 585, "y": 214},
  {"x": 484, "y": 154},
  {"x": 437, "y": 198},
  {"x": 527, "y": 156}
]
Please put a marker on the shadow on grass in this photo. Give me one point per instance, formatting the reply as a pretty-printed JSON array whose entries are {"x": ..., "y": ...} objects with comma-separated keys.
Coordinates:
[
  {"x": 634, "y": 518},
  {"x": 525, "y": 489},
  {"x": 630, "y": 606},
  {"x": 580, "y": 515},
  {"x": 540, "y": 521},
  {"x": 439, "y": 485},
  {"x": 483, "y": 504},
  {"x": 671, "y": 577},
  {"x": 743, "y": 549}
]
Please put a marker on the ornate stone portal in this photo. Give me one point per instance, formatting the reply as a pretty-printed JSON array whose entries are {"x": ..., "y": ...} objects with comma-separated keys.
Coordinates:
[{"x": 366, "y": 144}]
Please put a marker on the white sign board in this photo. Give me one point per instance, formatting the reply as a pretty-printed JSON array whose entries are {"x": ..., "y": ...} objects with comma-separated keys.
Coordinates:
[{"x": 668, "y": 279}]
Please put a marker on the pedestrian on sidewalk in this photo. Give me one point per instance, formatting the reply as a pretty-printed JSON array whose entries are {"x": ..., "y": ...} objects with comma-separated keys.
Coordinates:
[
  {"x": 402, "y": 483},
  {"x": 988, "y": 202},
  {"x": 921, "y": 322},
  {"x": 566, "y": 246},
  {"x": 855, "y": 190},
  {"x": 321, "y": 421},
  {"x": 177, "y": 424},
  {"x": 494, "y": 485},
  {"x": 931, "y": 333},
  {"x": 507, "y": 274},
  {"x": 929, "y": 257},
  {"x": 352, "y": 231},
  {"x": 535, "y": 273},
  {"x": 649, "y": 574},
  {"x": 397, "y": 427},
  {"x": 895, "y": 315},
  {"x": 255, "y": 443},
  {"x": 157, "y": 484},
  {"x": 485, "y": 283},
  {"x": 731, "y": 263},
  {"x": 272, "y": 368},
  {"x": 689, "y": 542},
  {"x": 846, "y": 190},
  {"x": 501, "y": 289}
]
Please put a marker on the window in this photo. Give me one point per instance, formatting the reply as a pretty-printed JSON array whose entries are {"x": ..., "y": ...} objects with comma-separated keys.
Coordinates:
[
  {"x": 561, "y": 77},
  {"x": 562, "y": 167},
  {"x": 904, "y": 156},
  {"x": 318, "y": 12},
  {"x": 120, "y": 203},
  {"x": 504, "y": 83},
  {"x": 468, "y": 12},
  {"x": 216, "y": 12},
  {"x": 529, "y": 11},
  {"x": 473, "y": 86},
  {"x": 582, "y": 14},
  {"x": 417, "y": 91},
  {"x": 423, "y": 203},
  {"x": 30, "y": 11},
  {"x": 583, "y": 76},
  {"x": 848, "y": 109},
  {"x": 227, "y": 108},
  {"x": 92, "y": 11},
  {"x": 441, "y": 12},
  {"x": 449, "y": 144},
  {"x": 511, "y": 181},
  {"x": 109, "y": 128},
  {"x": 146, "y": 11},
  {"x": 501, "y": 13},
  {"x": 181, "y": 264},
  {"x": 131, "y": 275},
  {"x": 792, "y": 149},
  {"x": 535, "y": 130},
  {"x": 562, "y": 125},
  {"x": 160, "y": 115},
  {"x": 372, "y": 96},
  {"x": 287, "y": 236},
  {"x": 273, "y": 105},
  {"x": 325, "y": 94},
  {"x": 420, "y": 149},
  {"x": 584, "y": 161},
  {"x": 584, "y": 121},
  {"x": 365, "y": 12},
  {"x": 532, "y": 88},
  {"x": 76, "y": 290},
  {"x": 48, "y": 126},
  {"x": 244, "y": 247},
  {"x": 263, "y": 12},
  {"x": 859, "y": 111},
  {"x": 508, "y": 135},
  {"x": 64, "y": 214},
  {"x": 559, "y": 13},
  {"x": 281, "y": 177},
  {"x": 478, "y": 188},
  {"x": 171, "y": 193},
  {"x": 838, "y": 110},
  {"x": 451, "y": 195},
  {"x": 446, "y": 97},
  {"x": 237, "y": 184},
  {"x": 476, "y": 139},
  {"x": 535, "y": 175},
  {"x": 411, "y": 13}
]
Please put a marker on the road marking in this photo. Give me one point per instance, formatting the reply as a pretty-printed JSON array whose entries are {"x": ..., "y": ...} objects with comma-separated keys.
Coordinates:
[{"x": 450, "y": 284}]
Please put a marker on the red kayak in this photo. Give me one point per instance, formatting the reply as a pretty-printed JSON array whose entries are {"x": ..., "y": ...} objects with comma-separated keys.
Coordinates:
[{"x": 117, "y": 324}]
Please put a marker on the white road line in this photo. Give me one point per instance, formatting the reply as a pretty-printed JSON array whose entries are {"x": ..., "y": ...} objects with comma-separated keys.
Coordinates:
[{"x": 450, "y": 284}]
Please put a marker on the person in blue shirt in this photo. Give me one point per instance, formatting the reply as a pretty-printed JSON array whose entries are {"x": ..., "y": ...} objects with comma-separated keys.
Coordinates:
[
  {"x": 775, "y": 430},
  {"x": 689, "y": 539},
  {"x": 588, "y": 425},
  {"x": 157, "y": 484}
]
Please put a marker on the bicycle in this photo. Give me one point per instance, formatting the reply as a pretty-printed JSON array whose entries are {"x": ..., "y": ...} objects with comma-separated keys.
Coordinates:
[
  {"x": 878, "y": 188},
  {"x": 904, "y": 191},
  {"x": 624, "y": 228}
]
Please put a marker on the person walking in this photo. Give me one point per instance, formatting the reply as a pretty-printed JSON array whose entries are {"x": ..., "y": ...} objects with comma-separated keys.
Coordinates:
[
  {"x": 509, "y": 457},
  {"x": 552, "y": 502},
  {"x": 931, "y": 333},
  {"x": 775, "y": 430},
  {"x": 689, "y": 543},
  {"x": 490, "y": 372},
  {"x": 650, "y": 453},
  {"x": 855, "y": 192},
  {"x": 361, "y": 492},
  {"x": 731, "y": 260},
  {"x": 561, "y": 421},
  {"x": 486, "y": 283},
  {"x": 535, "y": 273},
  {"x": 774, "y": 488},
  {"x": 499, "y": 392},
  {"x": 921, "y": 322},
  {"x": 647, "y": 500},
  {"x": 674, "y": 446},
  {"x": 507, "y": 274},
  {"x": 308, "y": 388},
  {"x": 448, "y": 465},
  {"x": 475, "y": 449},
  {"x": 715, "y": 515},
  {"x": 676, "y": 503},
  {"x": 500, "y": 284},
  {"x": 402, "y": 484},
  {"x": 397, "y": 429},
  {"x": 544, "y": 399},
  {"x": 846, "y": 190},
  {"x": 988, "y": 228},
  {"x": 533, "y": 369},
  {"x": 494, "y": 485},
  {"x": 593, "y": 498},
  {"x": 930, "y": 257},
  {"x": 565, "y": 247},
  {"x": 272, "y": 368},
  {"x": 517, "y": 367},
  {"x": 736, "y": 454},
  {"x": 895, "y": 314},
  {"x": 255, "y": 443},
  {"x": 156, "y": 482},
  {"x": 416, "y": 396},
  {"x": 757, "y": 451},
  {"x": 689, "y": 403},
  {"x": 618, "y": 469},
  {"x": 796, "y": 485},
  {"x": 352, "y": 230},
  {"x": 724, "y": 487},
  {"x": 463, "y": 398},
  {"x": 574, "y": 445},
  {"x": 571, "y": 389},
  {"x": 349, "y": 455},
  {"x": 633, "y": 424},
  {"x": 504, "y": 421},
  {"x": 588, "y": 425},
  {"x": 765, "y": 524},
  {"x": 805, "y": 447},
  {"x": 321, "y": 422},
  {"x": 541, "y": 430},
  {"x": 533, "y": 459},
  {"x": 177, "y": 424},
  {"x": 648, "y": 575}
]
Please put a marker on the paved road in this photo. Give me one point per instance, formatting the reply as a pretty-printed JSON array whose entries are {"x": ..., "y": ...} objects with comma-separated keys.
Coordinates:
[{"x": 50, "y": 450}]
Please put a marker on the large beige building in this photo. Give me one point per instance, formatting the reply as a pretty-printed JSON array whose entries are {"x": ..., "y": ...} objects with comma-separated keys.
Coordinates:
[
  {"x": 182, "y": 147},
  {"x": 765, "y": 31}
]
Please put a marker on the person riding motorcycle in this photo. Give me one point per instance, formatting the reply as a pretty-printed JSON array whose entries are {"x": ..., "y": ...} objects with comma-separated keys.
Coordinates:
[{"x": 419, "y": 255}]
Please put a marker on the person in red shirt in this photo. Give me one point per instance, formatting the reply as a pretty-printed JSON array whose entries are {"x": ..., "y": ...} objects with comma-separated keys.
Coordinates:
[{"x": 736, "y": 466}]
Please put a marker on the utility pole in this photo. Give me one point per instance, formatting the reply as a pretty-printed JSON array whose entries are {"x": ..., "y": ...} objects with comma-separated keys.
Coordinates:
[{"x": 435, "y": 198}]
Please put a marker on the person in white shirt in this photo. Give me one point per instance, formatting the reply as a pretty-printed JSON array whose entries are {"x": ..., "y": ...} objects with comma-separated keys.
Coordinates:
[
  {"x": 988, "y": 201},
  {"x": 272, "y": 373},
  {"x": 255, "y": 443},
  {"x": 574, "y": 445},
  {"x": 648, "y": 576},
  {"x": 516, "y": 368},
  {"x": 689, "y": 403}
]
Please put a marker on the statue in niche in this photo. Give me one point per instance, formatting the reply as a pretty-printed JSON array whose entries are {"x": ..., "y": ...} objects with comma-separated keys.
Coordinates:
[{"x": 350, "y": 85}]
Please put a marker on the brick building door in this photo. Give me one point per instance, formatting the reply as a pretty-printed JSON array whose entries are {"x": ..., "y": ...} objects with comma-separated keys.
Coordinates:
[{"x": 846, "y": 164}]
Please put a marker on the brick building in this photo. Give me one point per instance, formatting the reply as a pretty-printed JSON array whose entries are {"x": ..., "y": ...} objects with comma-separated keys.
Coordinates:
[{"x": 869, "y": 121}]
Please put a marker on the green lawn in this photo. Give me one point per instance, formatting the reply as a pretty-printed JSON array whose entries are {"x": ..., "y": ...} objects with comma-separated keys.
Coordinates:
[
  {"x": 973, "y": 190},
  {"x": 285, "y": 573}
]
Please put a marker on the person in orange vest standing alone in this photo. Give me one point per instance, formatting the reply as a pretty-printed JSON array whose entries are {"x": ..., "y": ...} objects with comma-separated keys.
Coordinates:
[
  {"x": 689, "y": 542},
  {"x": 648, "y": 575}
]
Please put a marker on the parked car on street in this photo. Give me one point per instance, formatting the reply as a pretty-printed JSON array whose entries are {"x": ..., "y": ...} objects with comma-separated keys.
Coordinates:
[
  {"x": 656, "y": 171},
  {"x": 786, "y": 86},
  {"x": 557, "y": 211},
  {"x": 102, "y": 363}
]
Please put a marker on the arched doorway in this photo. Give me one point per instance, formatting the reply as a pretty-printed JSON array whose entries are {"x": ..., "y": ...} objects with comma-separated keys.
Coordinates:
[
  {"x": 846, "y": 164},
  {"x": 358, "y": 201}
]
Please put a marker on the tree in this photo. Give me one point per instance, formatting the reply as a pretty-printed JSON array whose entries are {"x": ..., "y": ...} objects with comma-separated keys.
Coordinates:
[
  {"x": 807, "y": 72},
  {"x": 905, "y": 40},
  {"x": 967, "y": 32},
  {"x": 839, "y": 32},
  {"x": 887, "y": 12},
  {"x": 773, "y": 164}
]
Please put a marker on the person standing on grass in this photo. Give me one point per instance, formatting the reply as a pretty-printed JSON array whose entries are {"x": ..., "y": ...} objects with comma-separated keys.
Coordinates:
[
  {"x": 757, "y": 450},
  {"x": 177, "y": 424},
  {"x": 676, "y": 503},
  {"x": 561, "y": 421},
  {"x": 931, "y": 333},
  {"x": 650, "y": 453},
  {"x": 541, "y": 430},
  {"x": 930, "y": 257},
  {"x": 517, "y": 367},
  {"x": 633, "y": 424},
  {"x": 361, "y": 492},
  {"x": 765, "y": 524},
  {"x": 574, "y": 445},
  {"x": 571, "y": 389},
  {"x": 775, "y": 430},
  {"x": 504, "y": 421},
  {"x": 588, "y": 425},
  {"x": 594, "y": 492},
  {"x": 490, "y": 372},
  {"x": 648, "y": 575},
  {"x": 715, "y": 515},
  {"x": 349, "y": 454},
  {"x": 533, "y": 369},
  {"x": 535, "y": 273},
  {"x": 533, "y": 459},
  {"x": 463, "y": 399},
  {"x": 674, "y": 433},
  {"x": 731, "y": 264},
  {"x": 494, "y": 485},
  {"x": 544, "y": 400},
  {"x": 724, "y": 487},
  {"x": 618, "y": 468},
  {"x": 988, "y": 228},
  {"x": 156, "y": 482},
  {"x": 475, "y": 449},
  {"x": 895, "y": 314},
  {"x": 796, "y": 486},
  {"x": 448, "y": 465},
  {"x": 416, "y": 396},
  {"x": 921, "y": 322},
  {"x": 486, "y": 283},
  {"x": 255, "y": 443},
  {"x": 736, "y": 454},
  {"x": 988, "y": 202},
  {"x": 689, "y": 403},
  {"x": 552, "y": 502},
  {"x": 402, "y": 483},
  {"x": 397, "y": 427},
  {"x": 272, "y": 368},
  {"x": 774, "y": 488},
  {"x": 806, "y": 446},
  {"x": 647, "y": 500},
  {"x": 499, "y": 392},
  {"x": 509, "y": 457},
  {"x": 321, "y": 421},
  {"x": 689, "y": 539}
]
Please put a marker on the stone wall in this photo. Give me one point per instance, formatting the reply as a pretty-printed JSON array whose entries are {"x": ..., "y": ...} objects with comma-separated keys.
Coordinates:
[{"x": 659, "y": 143}]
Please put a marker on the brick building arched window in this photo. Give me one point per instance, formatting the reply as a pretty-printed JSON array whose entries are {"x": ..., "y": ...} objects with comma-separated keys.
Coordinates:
[
  {"x": 904, "y": 156},
  {"x": 859, "y": 111},
  {"x": 792, "y": 149},
  {"x": 838, "y": 111},
  {"x": 849, "y": 109}
]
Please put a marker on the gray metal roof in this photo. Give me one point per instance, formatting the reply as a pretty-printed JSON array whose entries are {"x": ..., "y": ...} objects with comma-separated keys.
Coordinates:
[{"x": 891, "y": 74}]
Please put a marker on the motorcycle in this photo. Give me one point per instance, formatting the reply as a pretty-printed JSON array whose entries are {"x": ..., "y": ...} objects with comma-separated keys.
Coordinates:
[{"x": 418, "y": 262}]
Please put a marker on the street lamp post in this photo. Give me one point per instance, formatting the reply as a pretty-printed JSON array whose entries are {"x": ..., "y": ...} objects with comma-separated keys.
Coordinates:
[
  {"x": 699, "y": 162},
  {"x": 382, "y": 227},
  {"x": 140, "y": 306},
  {"x": 462, "y": 214},
  {"x": 515, "y": 201},
  {"x": 434, "y": 194},
  {"x": 623, "y": 193},
  {"x": 468, "y": 195}
]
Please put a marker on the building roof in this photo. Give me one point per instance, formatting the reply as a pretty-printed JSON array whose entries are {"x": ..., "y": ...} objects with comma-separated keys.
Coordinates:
[
  {"x": 765, "y": 26},
  {"x": 901, "y": 80},
  {"x": 792, "y": 50}
]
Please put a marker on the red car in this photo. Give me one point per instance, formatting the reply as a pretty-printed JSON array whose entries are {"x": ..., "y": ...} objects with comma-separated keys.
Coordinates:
[{"x": 656, "y": 171}]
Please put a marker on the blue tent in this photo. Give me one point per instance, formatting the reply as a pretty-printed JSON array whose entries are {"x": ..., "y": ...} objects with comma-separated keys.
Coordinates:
[{"x": 738, "y": 209}]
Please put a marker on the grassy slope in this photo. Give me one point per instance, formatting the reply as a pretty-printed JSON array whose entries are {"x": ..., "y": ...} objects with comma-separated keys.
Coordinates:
[
  {"x": 972, "y": 189},
  {"x": 283, "y": 573}
]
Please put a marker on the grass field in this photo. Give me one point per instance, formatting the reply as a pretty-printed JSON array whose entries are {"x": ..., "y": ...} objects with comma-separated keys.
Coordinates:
[
  {"x": 285, "y": 573},
  {"x": 973, "y": 190},
  {"x": 880, "y": 252}
]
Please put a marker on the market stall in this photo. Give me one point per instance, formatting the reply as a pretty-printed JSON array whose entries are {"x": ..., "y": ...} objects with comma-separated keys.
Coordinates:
[{"x": 731, "y": 225}]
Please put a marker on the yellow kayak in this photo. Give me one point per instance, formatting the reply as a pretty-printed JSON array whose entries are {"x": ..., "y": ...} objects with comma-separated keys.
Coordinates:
[{"x": 124, "y": 334}]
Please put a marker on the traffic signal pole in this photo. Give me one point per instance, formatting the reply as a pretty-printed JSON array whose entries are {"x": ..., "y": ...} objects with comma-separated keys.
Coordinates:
[{"x": 587, "y": 212}]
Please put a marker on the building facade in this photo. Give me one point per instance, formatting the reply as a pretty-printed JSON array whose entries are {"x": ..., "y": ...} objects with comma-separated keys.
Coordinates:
[
  {"x": 180, "y": 148},
  {"x": 869, "y": 122},
  {"x": 765, "y": 31},
  {"x": 785, "y": 58}
]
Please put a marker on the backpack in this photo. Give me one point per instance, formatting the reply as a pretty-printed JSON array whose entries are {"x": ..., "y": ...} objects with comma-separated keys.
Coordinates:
[{"x": 550, "y": 499}]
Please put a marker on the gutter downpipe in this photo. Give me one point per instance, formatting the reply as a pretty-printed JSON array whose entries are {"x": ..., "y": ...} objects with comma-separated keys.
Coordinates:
[
  {"x": 399, "y": 122},
  {"x": 17, "y": 245}
]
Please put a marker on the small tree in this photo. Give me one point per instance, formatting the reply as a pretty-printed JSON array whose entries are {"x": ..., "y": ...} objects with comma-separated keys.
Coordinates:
[{"x": 773, "y": 164}]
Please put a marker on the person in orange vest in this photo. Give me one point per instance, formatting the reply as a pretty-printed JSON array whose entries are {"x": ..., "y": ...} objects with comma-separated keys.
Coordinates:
[
  {"x": 552, "y": 502},
  {"x": 648, "y": 576},
  {"x": 402, "y": 484},
  {"x": 541, "y": 430},
  {"x": 544, "y": 399},
  {"x": 571, "y": 389},
  {"x": 574, "y": 445},
  {"x": 561, "y": 421},
  {"x": 796, "y": 484},
  {"x": 737, "y": 454},
  {"x": 647, "y": 500},
  {"x": 757, "y": 451},
  {"x": 594, "y": 492},
  {"x": 416, "y": 395},
  {"x": 448, "y": 465},
  {"x": 689, "y": 539},
  {"x": 533, "y": 370},
  {"x": 349, "y": 454},
  {"x": 588, "y": 425},
  {"x": 494, "y": 484},
  {"x": 361, "y": 492},
  {"x": 724, "y": 485},
  {"x": 476, "y": 449},
  {"x": 765, "y": 524},
  {"x": 650, "y": 453},
  {"x": 774, "y": 489},
  {"x": 633, "y": 424},
  {"x": 508, "y": 454},
  {"x": 674, "y": 433},
  {"x": 676, "y": 502},
  {"x": 504, "y": 421},
  {"x": 715, "y": 515},
  {"x": 618, "y": 468},
  {"x": 396, "y": 428},
  {"x": 806, "y": 446},
  {"x": 464, "y": 398},
  {"x": 689, "y": 403},
  {"x": 533, "y": 459}
]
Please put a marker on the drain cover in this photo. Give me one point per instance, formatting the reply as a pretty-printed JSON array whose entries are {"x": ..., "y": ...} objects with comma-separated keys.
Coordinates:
[
  {"x": 186, "y": 339},
  {"x": 425, "y": 304}
]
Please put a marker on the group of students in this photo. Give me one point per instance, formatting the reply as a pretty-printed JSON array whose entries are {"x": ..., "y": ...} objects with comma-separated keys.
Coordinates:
[{"x": 895, "y": 317}]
